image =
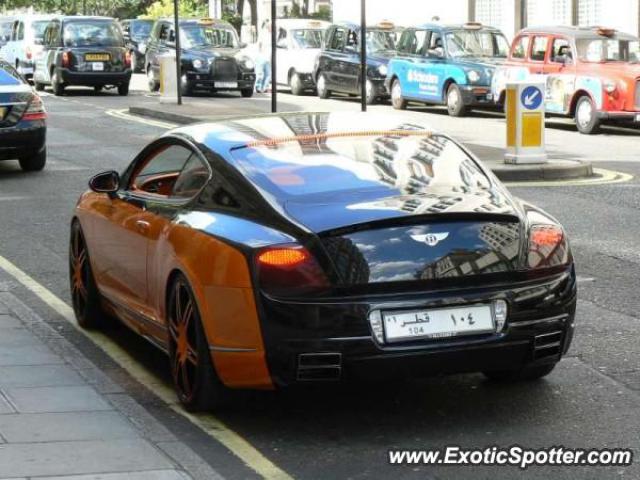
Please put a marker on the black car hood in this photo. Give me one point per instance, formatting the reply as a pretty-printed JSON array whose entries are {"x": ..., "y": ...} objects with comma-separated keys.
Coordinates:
[{"x": 321, "y": 215}]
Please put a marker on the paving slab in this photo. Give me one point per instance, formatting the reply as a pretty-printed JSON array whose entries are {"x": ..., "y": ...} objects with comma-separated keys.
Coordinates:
[
  {"x": 5, "y": 406},
  {"x": 7, "y": 321},
  {"x": 18, "y": 337},
  {"x": 72, "y": 458},
  {"x": 39, "y": 376},
  {"x": 28, "y": 355},
  {"x": 60, "y": 427},
  {"x": 56, "y": 399},
  {"x": 150, "y": 475}
]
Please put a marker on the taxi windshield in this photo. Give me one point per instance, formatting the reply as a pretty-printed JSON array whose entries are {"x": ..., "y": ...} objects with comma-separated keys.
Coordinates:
[
  {"x": 141, "y": 29},
  {"x": 308, "y": 38},
  {"x": 38, "y": 30},
  {"x": 208, "y": 36},
  {"x": 608, "y": 50},
  {"x": 380, "y": 40},
  {"x": 476, "y": 43},
  {"x": 96, "y": 33}
]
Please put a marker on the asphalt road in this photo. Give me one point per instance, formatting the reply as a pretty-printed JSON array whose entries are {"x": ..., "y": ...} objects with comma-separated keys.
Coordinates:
[{"x": 592, "y": 400}]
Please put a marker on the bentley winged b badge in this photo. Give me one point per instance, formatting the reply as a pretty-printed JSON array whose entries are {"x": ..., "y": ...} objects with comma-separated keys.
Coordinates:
[{"x": 431, "y": 239}]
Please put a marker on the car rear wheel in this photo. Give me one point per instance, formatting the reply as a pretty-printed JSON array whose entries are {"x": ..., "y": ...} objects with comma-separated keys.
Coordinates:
[
  {"x": 297, "y": 88},
  {"x": 38, "y": 86},
  {"x": 194, "y": 377},
  {"x": 151, "y": 81},
  {"x": 123, "y": 89},
  {"x": 523, "y": 374},
  {"x": 586, "y": 116},
  {"x": 455, "y": 103},
  {"x": 323, "y": 91},
  {"x": 85, "y": 297},
  {"x": 397, "y": 100},
  {"x": 34, "y": 163},
  {"x": 247, "y": 92},
  {"x": 56, "y": 84},
  {"x": 372, "y": 93}
]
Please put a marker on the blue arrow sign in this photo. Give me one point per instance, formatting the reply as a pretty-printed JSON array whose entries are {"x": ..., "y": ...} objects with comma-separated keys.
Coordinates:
[{"x": 531, "y": 98}]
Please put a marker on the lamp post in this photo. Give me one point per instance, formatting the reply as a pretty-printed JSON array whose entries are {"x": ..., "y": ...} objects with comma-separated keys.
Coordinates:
[
  {"x": 178, "y": 51},
  {"x": 363, "y": 55},
  {"x": 274, "y": 59}
]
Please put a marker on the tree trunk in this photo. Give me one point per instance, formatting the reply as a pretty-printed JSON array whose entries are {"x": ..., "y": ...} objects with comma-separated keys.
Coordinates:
[
  {"x": 240, "y": 8},
  {"x": 305, "y": 8},
  {"x": 254, "y": 13}
]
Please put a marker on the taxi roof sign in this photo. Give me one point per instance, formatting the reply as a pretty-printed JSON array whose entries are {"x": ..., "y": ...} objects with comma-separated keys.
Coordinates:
[
  {"x": 315, "y": 23},
  {"x": 206, "y": 21},
  {"x": 605, "y": 32},
  {"x": 473, "y": 25},
  {"x": 386, "y": 24}
]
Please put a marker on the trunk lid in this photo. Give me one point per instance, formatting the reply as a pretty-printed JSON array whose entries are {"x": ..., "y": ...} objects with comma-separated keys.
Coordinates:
[{"x": 14, "y": 100}]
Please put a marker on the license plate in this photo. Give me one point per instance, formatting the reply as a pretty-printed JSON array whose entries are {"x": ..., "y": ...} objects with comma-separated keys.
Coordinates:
[
  {"x": 97, "y": 57},
  {"x": 226, "y": 84},
  {"x": 97, "y": 67},
  {"x": 489, "y": 96},
  {"x": 441, "y": 323}
]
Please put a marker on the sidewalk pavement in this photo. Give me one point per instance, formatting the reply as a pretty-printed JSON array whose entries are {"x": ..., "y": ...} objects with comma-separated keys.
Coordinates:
[
  {"x": 61, "y": 418},
  {"x": 197, "y": 109}
]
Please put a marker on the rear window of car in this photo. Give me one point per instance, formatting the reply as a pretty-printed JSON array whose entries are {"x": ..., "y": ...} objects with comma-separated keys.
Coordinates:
[
  {"x": 141, "y": 29},
  {"x": 402, "y": 161},
  {"x": 92, "y": 33},
  {"x": 9, "y": 76},
  {"x": 38, "y": 29}
]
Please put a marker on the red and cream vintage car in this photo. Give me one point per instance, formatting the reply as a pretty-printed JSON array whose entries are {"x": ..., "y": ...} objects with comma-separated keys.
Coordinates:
[{"x": 592, "y": 73}]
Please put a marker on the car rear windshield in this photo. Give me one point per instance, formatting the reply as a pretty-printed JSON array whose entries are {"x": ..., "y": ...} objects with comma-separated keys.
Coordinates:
[
  {"x": 8, "y": 75},
  {"x": 608, "y": 50},
  {"x": 193, "y": 36},
  {"x": 5, "y": 31},
  {"x": 307, "y": 38},
  {"x": 92, "y": 33},
  {"x": 477, "y": 43},
  {"x": 141, "y": 29},
  {"x": 397, "y": 161},
  {"x": 38, "y": 29}
]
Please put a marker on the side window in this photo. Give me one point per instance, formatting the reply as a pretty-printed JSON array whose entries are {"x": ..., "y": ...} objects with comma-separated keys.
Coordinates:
[
  {"x": 412, "y": 42},
  {"x": 338, "y": 39},
  {"x": 436, "y": 46},
  {"x": 561, "y": 51},
  {"x": 521, "y": 48},
  {"x": 539, "y": 48},
  {"x": 164, "y": 32},
  {"x": 352, "y": 41},
  {"x": 14, "y": 31},
  {"x": 282, "y": 38},
  {"x": 159, "y": 173},
  {"x": 193, "y": 177},
  {"x": 20, "y": 30}
]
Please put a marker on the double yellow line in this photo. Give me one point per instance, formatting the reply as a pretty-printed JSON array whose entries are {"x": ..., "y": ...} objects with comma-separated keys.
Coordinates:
[{"x": 208, "y": 423}]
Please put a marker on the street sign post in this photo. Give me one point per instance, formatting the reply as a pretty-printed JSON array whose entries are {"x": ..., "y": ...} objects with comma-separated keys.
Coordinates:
[
  {"x": 525, "y": 122},
  {"x": 363, "y": 55},
  {"x": 176, "y": 19}
]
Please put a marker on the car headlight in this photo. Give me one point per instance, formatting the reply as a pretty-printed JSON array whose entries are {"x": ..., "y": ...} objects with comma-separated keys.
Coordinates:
[
  {"x": 610, "y": 86},
  {"x": 197, "y": 63},
  {"x": 473, "y": 76},
  {"x": 248, "y": 63},
  {"x": 383, "y": 70}
]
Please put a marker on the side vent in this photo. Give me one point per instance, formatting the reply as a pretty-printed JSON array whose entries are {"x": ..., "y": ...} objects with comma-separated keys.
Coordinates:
[
  {"x": 547, "y": 345},
  {"x": 319, "y": 367}
]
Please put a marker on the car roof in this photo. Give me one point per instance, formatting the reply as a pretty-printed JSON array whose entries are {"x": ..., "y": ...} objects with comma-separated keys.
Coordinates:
[
  {"x": 576, "y": 32},
  {"x": 31, "y": 16},
  {"x": 457, "y": 26},
  {"x": 356, "y": 26},
  {"x": 186, "y": 21},
  {"x": 301, "y": 23},
  {"x": 72, "y": 18}
]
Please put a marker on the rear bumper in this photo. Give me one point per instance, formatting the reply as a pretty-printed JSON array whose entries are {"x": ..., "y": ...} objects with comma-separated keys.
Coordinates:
[
  {"x": 91, "y": 79},
  {"x": 23, "y": 140},
  {"x": 380, "y": 87},
  {"x": 208, "y": 82},
  {"x": 333, "y": 340},
  {"x": 476, "y": 96}
]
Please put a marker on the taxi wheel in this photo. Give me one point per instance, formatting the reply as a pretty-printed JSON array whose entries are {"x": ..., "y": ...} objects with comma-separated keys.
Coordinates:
[
  {"x": 397, "y": 100},
  {"x": 84, "y": 292},
  {"x": 455, "y": 103},
  {"x": 38, "y": 86},
  {"x": 194, "y": 377},
  {"x": 586, "y": 117},
  {"x": 123, "y": 89},
  {"x": 323, "y": 92},
  {"x": 151, "y": 82},
  {"x": 34, "y": 163},
  {"x": 247, "y": 92},
  {"x": 524, "y": 374},
  {"x": 56, "y": 85},
  {"x": 372, "y": 93},
  {"x": 295, "y": 83}
]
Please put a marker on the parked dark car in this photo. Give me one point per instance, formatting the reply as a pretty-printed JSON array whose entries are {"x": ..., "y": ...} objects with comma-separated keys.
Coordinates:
[
  {"x": 136, "y": 35},
  {"x": 23, "y": 127},
  {"x": 338, "y": 65},
  {"x": 211, "y": 56},
  {"x": 86, "y": 51}
]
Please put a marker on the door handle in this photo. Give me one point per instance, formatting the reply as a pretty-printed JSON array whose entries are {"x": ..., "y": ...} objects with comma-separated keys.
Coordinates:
[{"x": 142, "y": 225}]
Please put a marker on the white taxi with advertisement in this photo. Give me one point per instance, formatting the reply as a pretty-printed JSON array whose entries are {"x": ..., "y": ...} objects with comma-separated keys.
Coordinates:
[
  {"x": 298, "y": 45},
  {"x": 25, "y": 43}
]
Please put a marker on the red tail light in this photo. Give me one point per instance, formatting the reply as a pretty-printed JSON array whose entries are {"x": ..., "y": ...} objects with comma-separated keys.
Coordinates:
[
  {"x": 29, "y": 53},
  {"x": 66, "y": 59},
  {"x": 548, "y": 246},
  {"x": 288, "y": 268},
  {"x": 35, "y": 110},
  {"x": 127, "y": 59}
]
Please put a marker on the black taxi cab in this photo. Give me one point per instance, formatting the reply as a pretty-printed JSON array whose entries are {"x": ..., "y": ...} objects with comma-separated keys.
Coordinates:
[
  {"x": 337, "y": 67},
  {"x": 84, "y": 51},
  {"x": 211, "y": 56}
]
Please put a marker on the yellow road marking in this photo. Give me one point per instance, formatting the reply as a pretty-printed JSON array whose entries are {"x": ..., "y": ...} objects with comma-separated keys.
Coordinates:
[
  {"x": 208, "y": 423},
  {"x": 603, "y": 177},
  {"x": 124, "y": 115}
]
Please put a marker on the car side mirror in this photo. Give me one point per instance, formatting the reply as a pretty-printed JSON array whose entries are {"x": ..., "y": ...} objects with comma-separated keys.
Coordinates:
[{"x": 106, "y": 182}]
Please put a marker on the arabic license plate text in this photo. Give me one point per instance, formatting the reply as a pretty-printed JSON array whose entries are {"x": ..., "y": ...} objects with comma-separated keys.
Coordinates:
[
  {"x": 226, "y": 84},
  {"x": 97, "y": 66},
  {"x": 445, "y": 322}
]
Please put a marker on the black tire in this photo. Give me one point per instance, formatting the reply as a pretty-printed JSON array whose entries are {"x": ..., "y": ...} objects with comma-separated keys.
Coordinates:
[
  {"x": 38, "y": 86},
  {"x": 297, "y": 88},
  {"x": 34, "y": 163},
  {"x": 247, "y": 92},
  {"x": 372, "y": 93},
  {"x": 524, "y": 374},
  {"x": 123, "y": 89},
  {"x": 56, "y": 85},
  {"x": 455, "y": 102},
  {"x": 98, "y": 88},
  {"x": 185, "y": 89},
  {"x": 194, "y": 377},
  {"x": 397, "y": 100},
  {"x": 586, "y": 124},
  {"x": 85, "y": 297},
  {"x": 151, "y": 82},
  {"x": 321, "y": 83}
]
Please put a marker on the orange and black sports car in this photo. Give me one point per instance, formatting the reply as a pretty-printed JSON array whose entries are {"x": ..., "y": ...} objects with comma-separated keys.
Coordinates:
[{"x": 270, "y": 251}]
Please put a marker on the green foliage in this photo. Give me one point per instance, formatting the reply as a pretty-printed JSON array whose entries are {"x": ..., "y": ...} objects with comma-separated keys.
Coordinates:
[
  {"x": 116, "y": 8},
  {"x": 233, "y": 19},
  {"x": 323, "y": 13},
  {"x": 186, "y": 8}
]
